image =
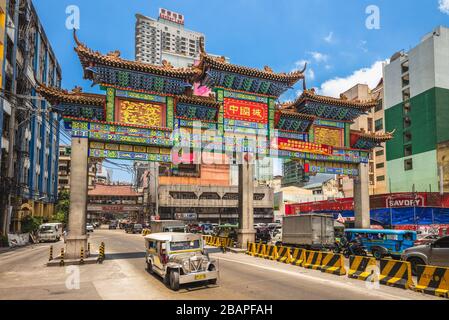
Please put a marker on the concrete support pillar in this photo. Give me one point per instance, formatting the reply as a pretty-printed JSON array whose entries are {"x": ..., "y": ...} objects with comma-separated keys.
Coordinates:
[
  {"x": 361, "y": 198},
  {"x": 77, "y": 237},
  {"x": 246, "y": 230}
]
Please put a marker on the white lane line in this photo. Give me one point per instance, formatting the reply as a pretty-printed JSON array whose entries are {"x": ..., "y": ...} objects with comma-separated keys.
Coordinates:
[{"x": 364, "y": 291}]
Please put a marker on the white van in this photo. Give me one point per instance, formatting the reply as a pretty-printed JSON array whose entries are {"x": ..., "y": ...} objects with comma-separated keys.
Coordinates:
[{"x": 50, "y": 232}]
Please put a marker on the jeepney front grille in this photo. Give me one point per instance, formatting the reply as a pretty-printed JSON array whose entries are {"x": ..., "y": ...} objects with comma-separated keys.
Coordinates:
[{"x": 196, "y": 264}]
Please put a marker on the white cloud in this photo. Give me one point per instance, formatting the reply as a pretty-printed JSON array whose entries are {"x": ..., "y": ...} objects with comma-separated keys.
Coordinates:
[
  {"x": 318, "y": 56},
  {"x": 330, "y": 37},
  {"x": 444, "y": 6},
  {"x": 370, "y": 76}
]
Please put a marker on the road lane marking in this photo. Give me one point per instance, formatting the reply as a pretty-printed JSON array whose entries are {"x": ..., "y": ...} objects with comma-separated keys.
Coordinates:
[{"x": 323, "y": 281}]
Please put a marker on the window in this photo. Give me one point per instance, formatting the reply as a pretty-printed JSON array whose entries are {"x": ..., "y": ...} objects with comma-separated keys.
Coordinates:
[
  {"x": 407, "y": 107},
  {"x": 379, "y": 106},
  {"x": 406, "y": 95},
  {"x": 405, "y": 67},
  {"x": 408, "y": 151},
  {"x": 370, "y": 124},
  {"x": 380, "y": 165},
  {"x": 407, "y": 137},
  {"x": 407, "y": 122},
  {"x": 380, "y": 153},
  {"x": 379, "y": 124},
  {"x": 380, "y": 178},
  {"x": 408, "y": 164},
  {"x": 442, "y": 243}
]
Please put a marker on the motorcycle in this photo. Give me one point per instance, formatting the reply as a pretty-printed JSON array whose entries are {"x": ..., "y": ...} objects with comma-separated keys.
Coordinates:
[{"x": 354, "y": 249}]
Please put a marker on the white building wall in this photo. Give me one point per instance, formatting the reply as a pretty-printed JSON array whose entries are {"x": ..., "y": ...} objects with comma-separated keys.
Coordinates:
[
  {"x": 442, "y": 58},
  {"x": 393, "y": 83},
  {"x": 422, "y": 67}
]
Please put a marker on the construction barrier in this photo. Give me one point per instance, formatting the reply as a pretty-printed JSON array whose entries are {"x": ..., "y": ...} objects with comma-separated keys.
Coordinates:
[
  {"x": 362, "y": 268},
  {"x": 396, "y": 273},
  {"x": 433, "y": 280},
  {"x": 251, "y": 249},
  {"x": 262, "y": 249},
  {"x": 88, "y": 247},
  {"x": 333, "y": 263},
  {"x": 271, "y": 252},
  {"x": 313, "y": 260},
  {"x": 298, "y": 256},
  {"x": 50, "y": 258},
  {"x": 284, "y": 255},
  {"x": 146, "y": 232}
]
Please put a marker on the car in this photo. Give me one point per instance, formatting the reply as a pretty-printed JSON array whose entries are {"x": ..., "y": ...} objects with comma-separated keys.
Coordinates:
[
  {"x": 50, "y": 232},
  {"x": 112, "y": 226},
  {"x": 435, "y": 254},
  {"x": 276, "y": 239},
  {"x": 426, "y": 239},
  {"x": 134, "y": 228},
  {"x": 90, "y": 227},
  {"x": 179, "y": 258}
]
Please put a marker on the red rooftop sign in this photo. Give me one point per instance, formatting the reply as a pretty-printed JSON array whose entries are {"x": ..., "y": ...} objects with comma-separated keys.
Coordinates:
[{"x": 171, "y": 16}]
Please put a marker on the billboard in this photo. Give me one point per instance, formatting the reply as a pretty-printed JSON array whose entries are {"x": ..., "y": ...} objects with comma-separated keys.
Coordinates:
[
  {"x": 140, "y": 113},
  {"x": 303, "y": 146},
  {"x": 171, "y": 16},
  {"x": 245, "y": 111}
]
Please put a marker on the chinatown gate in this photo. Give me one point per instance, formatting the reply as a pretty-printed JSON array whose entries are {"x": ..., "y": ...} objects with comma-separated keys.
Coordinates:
[{"x": 213, "y": 111}]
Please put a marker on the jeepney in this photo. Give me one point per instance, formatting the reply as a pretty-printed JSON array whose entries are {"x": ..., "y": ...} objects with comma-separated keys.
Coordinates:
[{"x": 178, "y": 258}]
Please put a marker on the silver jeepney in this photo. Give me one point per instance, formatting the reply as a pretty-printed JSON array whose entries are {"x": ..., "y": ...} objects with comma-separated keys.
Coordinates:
[{"x": 179, "y": 259}]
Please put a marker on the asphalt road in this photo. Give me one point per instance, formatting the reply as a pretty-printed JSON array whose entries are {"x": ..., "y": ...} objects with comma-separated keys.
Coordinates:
[{"x": 23, "y": 275}]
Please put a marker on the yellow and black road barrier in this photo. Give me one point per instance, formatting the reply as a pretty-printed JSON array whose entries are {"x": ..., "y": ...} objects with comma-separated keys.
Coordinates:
[
  {"x": 333, "y": 263},
  {"x": 251, "y": 249},
  {"x": 298, "y": 257},
  {"x": 101, "y": 253},
  {"x": 433, "y": 280},
  {"x": 396, "y": 273},
  {"x": 146, "y": 232},
  {"x": 50, "y": 258},
  {"x": 61, "y": 262},
  {"x": 284, "y": 255},
  {"x": 88, "y": 247},
  {"x": 313, "y": 260},
  {"x": 218, "y": 241},
  {"x": 362, "y": 268},
  {"x": 271, "y": 252},
  {"x": 261, "y": 252},
  {"x": 82, "y": 256}
]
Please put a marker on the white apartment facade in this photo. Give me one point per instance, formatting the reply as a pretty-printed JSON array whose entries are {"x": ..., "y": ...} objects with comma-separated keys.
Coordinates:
[{"x": 166, "y": 38}]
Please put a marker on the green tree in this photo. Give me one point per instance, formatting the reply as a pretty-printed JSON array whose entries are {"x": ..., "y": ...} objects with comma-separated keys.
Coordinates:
[
  {"x": 31, "y": 224},
  {"x": 62, "y": 208}
]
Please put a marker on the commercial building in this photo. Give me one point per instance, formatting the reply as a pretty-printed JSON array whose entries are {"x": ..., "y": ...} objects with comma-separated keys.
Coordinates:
[
  {"x": 96, "y": 171},
  {"x": 373, "y": 122},
  {"x": 204, "y": 190},
  {"x": 417, "y": 108},
  {"x": 113, "y": 202},
  {"x": 29, "y": 127},
  {"x": 166, "y": 39}
]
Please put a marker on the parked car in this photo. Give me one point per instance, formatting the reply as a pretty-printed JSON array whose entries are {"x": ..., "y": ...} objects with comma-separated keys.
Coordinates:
[
  {"x": 134, "y": 228},
  {"x": 435, "y": 254},
  {"x": 50, "y": 232},
  {"x": 113, "y": 225},
  {"x": 179, "y": 258},
  {"x": 426, "y": 239},
  {"x": 90, "y": 227}
]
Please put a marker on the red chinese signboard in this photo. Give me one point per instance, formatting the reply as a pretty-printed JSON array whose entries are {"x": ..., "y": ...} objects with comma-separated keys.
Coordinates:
[
  {"x": 303, "y": 146},
  {"x": 245, "y": 111}
]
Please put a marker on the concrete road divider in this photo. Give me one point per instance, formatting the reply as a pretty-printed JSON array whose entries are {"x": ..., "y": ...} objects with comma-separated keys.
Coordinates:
[
  {"x": 362, "y": 268},
  {"x": 333, "y": 263},
  {"x": 284, "y": 255},
  {"x": 433, "y": 280},
  {"x": 313, "y": 260},
  {"x": 271, "y": 253},
  {"x": 251, "y": 250},
  {"x": 261, "y": 251},
  {"x": 298, "y": 257},
  {"x": 396, "y": 273}
]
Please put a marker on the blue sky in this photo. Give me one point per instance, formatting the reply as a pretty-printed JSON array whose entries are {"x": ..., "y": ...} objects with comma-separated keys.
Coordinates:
[{"x": 330, "y": 34}]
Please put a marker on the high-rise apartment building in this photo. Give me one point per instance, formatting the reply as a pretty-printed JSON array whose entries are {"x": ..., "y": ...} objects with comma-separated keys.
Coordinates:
[
  {"x": 417, "y": 108},
  {"x": 372, "y": 122},
  {"x": 166, "y": 39},
  {"x": 28, "y": 125}
]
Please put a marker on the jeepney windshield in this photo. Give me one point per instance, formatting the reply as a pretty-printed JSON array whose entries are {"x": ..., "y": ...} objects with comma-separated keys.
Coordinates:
[{"x": 185, "y": 245}]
